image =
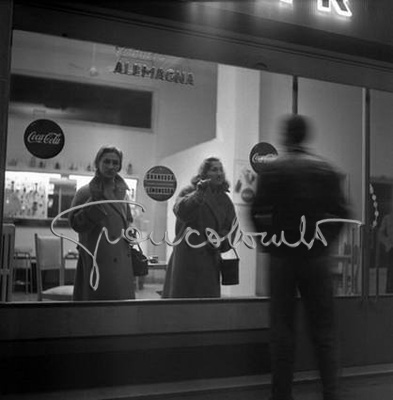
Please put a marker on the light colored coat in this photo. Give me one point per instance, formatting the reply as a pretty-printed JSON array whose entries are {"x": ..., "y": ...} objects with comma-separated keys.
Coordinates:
[
  {"x": 191, "y": 272},
  {"x": 116, "y": 278}
]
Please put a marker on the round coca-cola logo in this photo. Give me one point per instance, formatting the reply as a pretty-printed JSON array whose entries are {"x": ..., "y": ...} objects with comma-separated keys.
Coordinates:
[
  {"x": 262, "y": 154},
  {"x": 44, "y": 138}
]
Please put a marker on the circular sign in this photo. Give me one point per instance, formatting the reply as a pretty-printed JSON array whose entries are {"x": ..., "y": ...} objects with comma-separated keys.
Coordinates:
[
  {"x": 262, "y": 154},
  {"x": 44, "y": 138},
  {"x": 160, "y": 183},
  {"x": 247, "y": 195}
]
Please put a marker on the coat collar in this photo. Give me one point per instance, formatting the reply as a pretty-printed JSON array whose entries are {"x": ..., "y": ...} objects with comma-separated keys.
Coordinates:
[
  {"x": 97, "y": 190},
  {"x": 97, "y": 187}
]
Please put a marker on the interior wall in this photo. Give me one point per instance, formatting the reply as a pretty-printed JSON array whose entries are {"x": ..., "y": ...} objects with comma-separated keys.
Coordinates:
[
  {"x": 276, "y": 101},
  {"x": 336, "y": 115},
  {"x": 187, "y": 114},
  {"x": 82, "y": 141},
  {"x": 177, "y": 107}
]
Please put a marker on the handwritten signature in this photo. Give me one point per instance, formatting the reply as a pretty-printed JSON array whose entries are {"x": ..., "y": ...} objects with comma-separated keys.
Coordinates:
[{"x": 234, "y": 237}]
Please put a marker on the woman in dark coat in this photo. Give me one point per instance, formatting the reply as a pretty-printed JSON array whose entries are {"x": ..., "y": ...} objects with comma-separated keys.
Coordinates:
[
  {"x": 194, "y": 272},
  {"x": 116, "y": 279}
]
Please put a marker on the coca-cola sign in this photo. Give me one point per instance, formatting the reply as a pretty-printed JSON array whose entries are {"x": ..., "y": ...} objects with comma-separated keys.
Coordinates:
[
  {"x": 44, "y": 138},
  {"x": 262, "y": 154}
]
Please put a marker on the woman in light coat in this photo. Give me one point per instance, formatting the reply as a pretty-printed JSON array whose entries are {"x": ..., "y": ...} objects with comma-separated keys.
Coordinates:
[
  {"x": 195, "y": 272},
  {"x": 114, "y": 267}
]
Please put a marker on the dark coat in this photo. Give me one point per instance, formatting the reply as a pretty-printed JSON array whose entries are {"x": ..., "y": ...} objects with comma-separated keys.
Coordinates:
[
  {"x": 116, "y": 279},
  {"x": 192, "y": 272},
  {"x": 294, "y": 185}
]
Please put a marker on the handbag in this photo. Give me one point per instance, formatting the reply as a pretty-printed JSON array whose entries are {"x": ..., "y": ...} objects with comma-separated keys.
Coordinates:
[
  {"x": 139, "y": 261},
  {"x": 229, "y": 270}
]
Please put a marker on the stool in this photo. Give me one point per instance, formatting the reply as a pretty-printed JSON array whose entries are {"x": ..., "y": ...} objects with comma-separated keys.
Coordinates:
[{"x": 23, "y": 261}]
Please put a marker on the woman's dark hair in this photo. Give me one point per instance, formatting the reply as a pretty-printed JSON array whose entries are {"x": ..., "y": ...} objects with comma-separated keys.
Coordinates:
[
  {"x": 202, "y": 172},
  {"x": 108, "y": 149}
]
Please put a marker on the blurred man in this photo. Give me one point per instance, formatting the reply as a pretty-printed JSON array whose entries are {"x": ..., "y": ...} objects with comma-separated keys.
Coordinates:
[{"x": 294, "y": 192}]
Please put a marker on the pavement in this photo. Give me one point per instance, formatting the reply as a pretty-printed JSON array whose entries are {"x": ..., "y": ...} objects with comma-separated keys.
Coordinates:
[{"x": 379, "y": 387}]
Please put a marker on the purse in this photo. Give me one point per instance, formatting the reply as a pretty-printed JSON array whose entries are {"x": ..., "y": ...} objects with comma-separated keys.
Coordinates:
[
  {"x": 229, "y": 270},
  {"x": 139, "y": 261}
]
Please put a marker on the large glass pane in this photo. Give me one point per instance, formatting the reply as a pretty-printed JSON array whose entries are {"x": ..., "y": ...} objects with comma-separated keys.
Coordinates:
[
  {"x": 275, "y": 101},
  {"x": 160, "y": 111},
  {"x": 150, "y": 106},
  {"x": 336, "y": 114},
  {"x": 381, "y": 177}
]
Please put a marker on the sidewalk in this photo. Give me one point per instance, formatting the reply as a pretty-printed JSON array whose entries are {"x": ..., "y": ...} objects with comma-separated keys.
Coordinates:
[
  {"x": 357, "y": 383},
  {"x": 359, "y": 388}
]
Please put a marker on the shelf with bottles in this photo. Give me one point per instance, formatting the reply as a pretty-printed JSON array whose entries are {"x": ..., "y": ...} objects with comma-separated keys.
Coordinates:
[
  {"x": 38, "y": 194},
  {"x": 63, "y": 172},
  {"x": 49, "y": 166},
  {"x": 58, "y": 167},
  {"x": 25, "y": 195}
]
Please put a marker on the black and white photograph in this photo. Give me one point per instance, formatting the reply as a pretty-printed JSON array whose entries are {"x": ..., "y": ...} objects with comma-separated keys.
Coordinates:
[{"x": 196, "y": 200}]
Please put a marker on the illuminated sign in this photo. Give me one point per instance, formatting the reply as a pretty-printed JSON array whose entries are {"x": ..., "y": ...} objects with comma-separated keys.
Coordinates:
[
  {"x": 341, "y": 7},
  {"x": 150, "y": 65},
  {"x": 144, "y": 71}
]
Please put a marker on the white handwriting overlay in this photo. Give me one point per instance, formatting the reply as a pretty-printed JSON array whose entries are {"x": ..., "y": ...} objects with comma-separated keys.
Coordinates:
[{"x": 235, "y": 236}]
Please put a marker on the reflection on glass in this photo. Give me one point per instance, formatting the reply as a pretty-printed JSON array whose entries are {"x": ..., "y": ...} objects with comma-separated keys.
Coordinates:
[
  {"x": 337, "y": 112},
  {"x": 381, "y": 177},
  {"x": 164, "y": 111},
  {"x": 159, "y": 110}
]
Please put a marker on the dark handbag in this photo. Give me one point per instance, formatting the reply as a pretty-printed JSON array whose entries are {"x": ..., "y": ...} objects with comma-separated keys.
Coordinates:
[
  {"x": 139, "y": 261},
  {"x": 229, "y": 270}
]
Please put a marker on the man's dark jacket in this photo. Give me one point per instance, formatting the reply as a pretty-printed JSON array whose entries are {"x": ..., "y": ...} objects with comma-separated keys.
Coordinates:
[{"x": 296, "y": 185}]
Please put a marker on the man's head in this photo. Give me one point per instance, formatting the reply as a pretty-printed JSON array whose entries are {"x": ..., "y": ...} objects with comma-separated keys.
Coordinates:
[{"x": 295, "y": 130}]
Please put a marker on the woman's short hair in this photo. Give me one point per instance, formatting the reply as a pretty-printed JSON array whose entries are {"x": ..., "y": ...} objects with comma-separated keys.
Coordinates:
[{"x": 108, "y": 149}]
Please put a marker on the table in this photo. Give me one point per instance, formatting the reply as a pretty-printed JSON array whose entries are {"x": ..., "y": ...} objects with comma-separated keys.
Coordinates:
[{"x": 151, "y": 277}]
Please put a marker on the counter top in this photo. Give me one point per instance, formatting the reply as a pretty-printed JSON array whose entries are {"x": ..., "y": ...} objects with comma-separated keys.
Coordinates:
[{"x": 36, "y": 222}]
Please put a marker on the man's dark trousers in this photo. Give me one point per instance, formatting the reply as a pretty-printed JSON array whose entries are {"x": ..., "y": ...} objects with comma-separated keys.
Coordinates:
[{"x": 313, "y": 278}]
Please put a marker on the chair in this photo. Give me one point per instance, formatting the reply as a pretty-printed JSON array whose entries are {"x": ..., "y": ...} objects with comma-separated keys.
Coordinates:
[
  {"x": 23, "y": 263},
  {"x": 7, "y": 261},
  {"x": 49, "y": 256}
]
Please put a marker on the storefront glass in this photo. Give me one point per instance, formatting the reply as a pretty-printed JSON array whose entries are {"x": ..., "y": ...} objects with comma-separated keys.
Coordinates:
[
  {"x": 160, "y": 111},
  {"x": 381, "y": 142},
  {"x": 336, "y": 111}
]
